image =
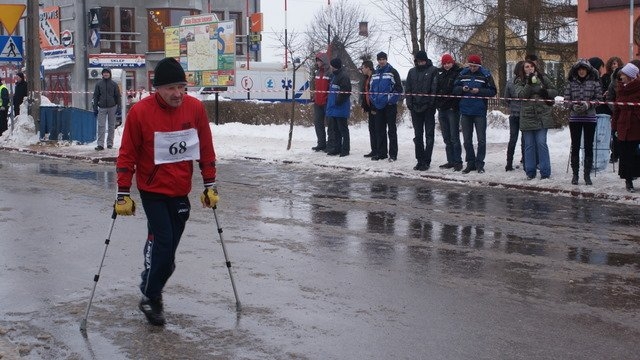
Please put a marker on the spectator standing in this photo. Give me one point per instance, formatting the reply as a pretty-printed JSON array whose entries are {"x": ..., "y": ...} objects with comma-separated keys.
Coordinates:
[
  {"x": 626, "y": 125},
  {"x": 386, "y": 88},
  {"x": 449, "y": 112},
  {"x": 609, "y": 81},
  {"x": 339, "y": 107},
  {"x": 4, "y": 107},
  {"x": 19, "y": 93},
  {"x": 421, "y": 88},
  {"x": 475, "y": 84},
  {"x": 535, "y": 118},
  {"x": 511, "y": 95},
  {"x": 320, "y": 86},
  {"x": 106, "y": 100},
  {"x": 365, "y": 102},
  {"x": 582, "y": 88},
  {"x": 164, "y": 177}
]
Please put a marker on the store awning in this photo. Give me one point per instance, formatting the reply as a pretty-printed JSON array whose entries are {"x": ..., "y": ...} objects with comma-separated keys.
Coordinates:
[{"x": 54, "y": 63}]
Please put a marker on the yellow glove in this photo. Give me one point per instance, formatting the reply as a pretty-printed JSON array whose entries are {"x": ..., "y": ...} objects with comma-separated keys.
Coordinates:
[
  {"x": 209, "y": 197},
  {"x": 124, "y": 205}
]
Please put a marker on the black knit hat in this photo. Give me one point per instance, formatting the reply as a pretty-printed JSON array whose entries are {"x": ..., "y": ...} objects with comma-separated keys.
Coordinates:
[
  {"x": 422, "y": 55},
  {"x": 381, "y": 55},
  {"x": 168, "y": 71},
  {"x": 105, "y": 70},
  {"x": 336, "y": 63}
]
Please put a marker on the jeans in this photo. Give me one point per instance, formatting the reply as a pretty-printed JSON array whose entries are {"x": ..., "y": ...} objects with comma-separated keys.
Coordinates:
[
  {"x": 103, "y": 113},
  {"x": 424, "y": 124},
  {"x": 450, "y": 126},
  {"x": 480, "y": 124},
  {"x": 386, "y": 118},
  {"x": 318, "y": 122},
  {"x": 514, "y": 129},
  {"x": 341, "y": 125},
  {"x": 166, "y": 219},
  {"x": 535, "y": 142}
]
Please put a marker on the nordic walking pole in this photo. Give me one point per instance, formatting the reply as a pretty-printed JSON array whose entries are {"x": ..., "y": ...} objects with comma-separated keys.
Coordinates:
[
  {"x": 83, "y": 323},
  {"x": 228, "y": 263}
]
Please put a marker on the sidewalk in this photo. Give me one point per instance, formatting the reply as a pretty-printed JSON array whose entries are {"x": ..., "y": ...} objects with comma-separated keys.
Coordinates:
[{"x": 267, "y": 143}]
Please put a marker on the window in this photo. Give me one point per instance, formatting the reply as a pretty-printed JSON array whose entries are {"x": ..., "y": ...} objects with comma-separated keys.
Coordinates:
[
  {"x": 510, "y": 67},
  {"x": 602, "y": 4},
  {"x": 219, "y": 14},
  {"x": 237, "y": 16},
  {"x": 553, "y": 69},
  {"x": 106, "y": 25},
  {"x": 157, "y": 19},
  {"x": 127, "y": 25}
]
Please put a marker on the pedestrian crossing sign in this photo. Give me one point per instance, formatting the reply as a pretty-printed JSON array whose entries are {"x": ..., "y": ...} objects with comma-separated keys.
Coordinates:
[{"x": 11, "y": 48}]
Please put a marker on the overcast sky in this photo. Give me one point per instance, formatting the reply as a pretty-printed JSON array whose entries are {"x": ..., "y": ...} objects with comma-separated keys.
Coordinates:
[{"x": 300, "y": 14}]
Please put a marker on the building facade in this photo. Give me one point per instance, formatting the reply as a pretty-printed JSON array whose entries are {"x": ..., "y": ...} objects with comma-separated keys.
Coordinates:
[
  {"x": 604, "y": 27},
  {"x": 79, "y": 38}
]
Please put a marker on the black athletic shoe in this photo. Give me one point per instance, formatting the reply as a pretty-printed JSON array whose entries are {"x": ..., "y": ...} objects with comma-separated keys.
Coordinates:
[
  {"x": 481, "y": 170},
  {"x": 152, "y": 309},
  {"x": 378, "y": 157},
  {"x": 457, "y": 166},
  {"x": 344, "y": 154},
  {"x": 318, "y": 148},
  {"x": 333, "y": 153},
  {"x": 99, "y": 148},
  {"x": 109, "y": 146},
  {"x": 468, "y": 169},
  {"x": 446, "y": 166},
  {"x": 371, "y": 154}
]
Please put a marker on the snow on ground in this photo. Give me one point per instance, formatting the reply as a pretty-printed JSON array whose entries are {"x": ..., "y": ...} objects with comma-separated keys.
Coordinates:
[{"x": 269, "y": 143}]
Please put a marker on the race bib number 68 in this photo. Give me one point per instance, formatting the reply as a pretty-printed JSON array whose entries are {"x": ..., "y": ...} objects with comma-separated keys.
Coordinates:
[{"x": 175, "y": 146}]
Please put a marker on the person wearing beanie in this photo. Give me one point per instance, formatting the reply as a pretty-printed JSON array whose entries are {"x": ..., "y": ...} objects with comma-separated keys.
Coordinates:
[
  {"x": 448, "y": 112},
  {"x": 475, "y": 84},
  {"x": 582, "y": 88},
  {"x": 420, "y": 91},
  {"x": 339, "y": 108},
  {"x": 106, "y": 100},
  {"x": 19, "y": 93},
  {"x": 365, "y": 102},
  {"x": 624, "y": 123},
  {"x": 163, "y": 135},
  {"x": 4, "y": 107},
  {"x": 386, "y": 89},
  {"x": 511, "y": 96},
  {"x": 319, "y": 94}
]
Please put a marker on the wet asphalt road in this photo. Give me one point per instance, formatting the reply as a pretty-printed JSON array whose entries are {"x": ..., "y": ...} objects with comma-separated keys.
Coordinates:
[{"x": 328, "y": 265}]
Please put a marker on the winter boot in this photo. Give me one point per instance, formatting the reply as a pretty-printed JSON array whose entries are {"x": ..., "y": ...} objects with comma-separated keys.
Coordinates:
[
  {"x": 629, "y": 185},
  {"x": 509, "y": 166},
  {"x": 587, "y": 171},
  {"x": 575, "y": 166}
]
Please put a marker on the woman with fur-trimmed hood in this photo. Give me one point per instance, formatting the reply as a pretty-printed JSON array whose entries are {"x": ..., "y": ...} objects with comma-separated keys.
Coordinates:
[{"x": 583, "y": 87}]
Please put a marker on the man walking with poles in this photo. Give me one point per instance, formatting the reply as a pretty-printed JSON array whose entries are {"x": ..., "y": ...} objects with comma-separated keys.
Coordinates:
[{"x": 164, "y": 133}]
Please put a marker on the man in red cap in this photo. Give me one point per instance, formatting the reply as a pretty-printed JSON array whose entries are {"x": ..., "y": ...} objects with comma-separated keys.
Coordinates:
[
  {"x": 449, "y": 112},
  {"x": 476, "y": 85}
]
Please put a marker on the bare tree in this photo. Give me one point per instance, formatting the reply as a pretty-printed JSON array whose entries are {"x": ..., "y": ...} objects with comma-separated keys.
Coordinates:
[{"x": 340, "y": 22}]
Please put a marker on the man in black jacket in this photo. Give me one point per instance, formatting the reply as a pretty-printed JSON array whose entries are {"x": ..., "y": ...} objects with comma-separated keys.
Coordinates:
[
  {"x": 106, "y": 99},
  {"x": 420, "y": 93},
  {"x": 20, "y": 92},
  {"x": 449, "y": 112}
]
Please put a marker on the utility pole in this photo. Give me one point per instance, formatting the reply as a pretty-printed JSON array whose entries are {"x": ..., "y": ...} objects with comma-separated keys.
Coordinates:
[{"x": 33, "y": 60}]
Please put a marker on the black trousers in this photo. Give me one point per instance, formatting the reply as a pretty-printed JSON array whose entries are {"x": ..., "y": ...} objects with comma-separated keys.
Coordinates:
[
  {"x": 386, "y": 118},
  {"x": 166, "y": 219}
]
